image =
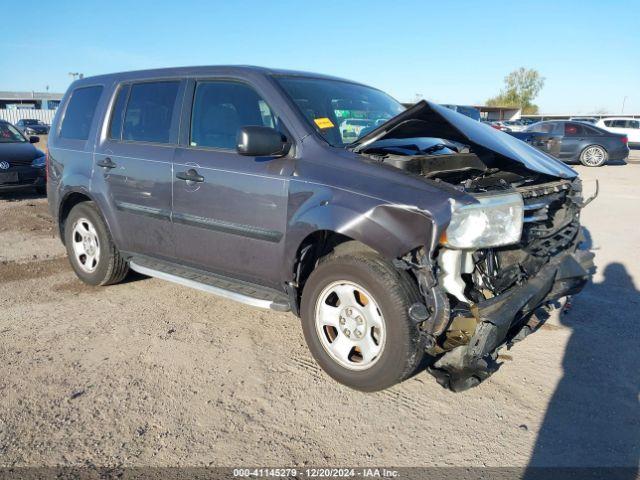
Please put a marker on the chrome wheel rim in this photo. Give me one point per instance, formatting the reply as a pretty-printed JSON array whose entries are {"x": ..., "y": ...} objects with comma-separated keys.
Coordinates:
[
  {"x": 350, "y": 325},
  {"x": 593, "y": 156},
  {"x": 86, "y": 246}
]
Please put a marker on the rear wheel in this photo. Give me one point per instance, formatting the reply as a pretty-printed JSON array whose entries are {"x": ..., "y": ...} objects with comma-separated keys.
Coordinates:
[
  {"x": 593, "y": 156},
  {"x": 356, "y": 323},
  {"x": 92, "y": 253}
]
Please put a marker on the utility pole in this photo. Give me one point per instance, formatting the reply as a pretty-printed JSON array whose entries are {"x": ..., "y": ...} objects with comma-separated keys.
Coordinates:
[{"x": 624, "y": 100}]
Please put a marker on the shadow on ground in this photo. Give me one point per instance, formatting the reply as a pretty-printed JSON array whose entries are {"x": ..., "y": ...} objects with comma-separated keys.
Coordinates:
[
  {"x": 20, "y": 194},
  {"x": 593, "y": 418}
]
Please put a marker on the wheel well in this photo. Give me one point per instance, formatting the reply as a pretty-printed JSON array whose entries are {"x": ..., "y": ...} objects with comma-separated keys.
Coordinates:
[
  {"x": 68, "y": 203},
  {"x": 315, "y": 246}
]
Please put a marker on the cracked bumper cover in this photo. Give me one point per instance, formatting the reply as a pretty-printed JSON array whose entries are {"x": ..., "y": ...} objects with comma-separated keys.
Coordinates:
[{"x": 507, "y": 318}]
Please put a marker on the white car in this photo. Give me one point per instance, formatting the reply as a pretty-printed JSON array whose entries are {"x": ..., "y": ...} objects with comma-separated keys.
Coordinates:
[
  {"x": 627, "y": 126},
  {"x": 514, "y": 125}
]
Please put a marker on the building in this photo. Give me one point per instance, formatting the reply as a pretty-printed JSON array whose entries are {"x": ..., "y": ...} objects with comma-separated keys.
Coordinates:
[
  {"x": 29, "y": 100},
  {"x": 499, "y": 113}
]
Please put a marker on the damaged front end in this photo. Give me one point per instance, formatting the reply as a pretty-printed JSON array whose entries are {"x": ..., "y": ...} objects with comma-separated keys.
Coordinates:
[
  {"x": 482, "y": 294},
  {"x": 478, "y": 301}
]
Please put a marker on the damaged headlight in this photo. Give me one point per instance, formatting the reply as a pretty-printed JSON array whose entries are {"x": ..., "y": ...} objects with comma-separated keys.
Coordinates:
[{"x": 495, "y": 221}]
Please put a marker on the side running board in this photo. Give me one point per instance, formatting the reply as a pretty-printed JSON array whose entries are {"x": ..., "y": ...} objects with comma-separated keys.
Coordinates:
[{"x": 249, "y": 294}]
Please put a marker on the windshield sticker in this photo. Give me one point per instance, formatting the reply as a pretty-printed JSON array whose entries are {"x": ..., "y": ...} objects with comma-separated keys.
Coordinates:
[{"x": 323, "y": 123}]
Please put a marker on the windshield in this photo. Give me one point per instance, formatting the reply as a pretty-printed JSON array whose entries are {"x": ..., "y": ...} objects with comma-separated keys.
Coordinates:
[
  {"x": 31, "y": 122},
  {"x": 340, "y": 111},
  {"x": 10, "y": 134}
]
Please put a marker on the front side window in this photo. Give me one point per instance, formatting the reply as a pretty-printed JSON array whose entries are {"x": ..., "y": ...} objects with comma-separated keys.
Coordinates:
[
  {"x": 221, "y": 108},
  {"x": 79, "y": 114},
  {"x": 340, "y": 111},
  {"x": 543, "y": 127},
  {"x": 150, "y": 111},
  {"x": 10, "y": 134}
]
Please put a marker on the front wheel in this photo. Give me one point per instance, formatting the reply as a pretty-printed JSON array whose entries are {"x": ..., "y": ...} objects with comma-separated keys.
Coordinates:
[
  {"x": 593, "y": 156},
  {"x": 356, "y": 323}
]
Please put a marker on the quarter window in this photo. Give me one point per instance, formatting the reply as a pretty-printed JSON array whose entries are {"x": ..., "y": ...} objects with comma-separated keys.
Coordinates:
[
  {"x": 149, "y": 112},
  {"x": 78, "y": 116},
  {"x": 221, "y": 108}
]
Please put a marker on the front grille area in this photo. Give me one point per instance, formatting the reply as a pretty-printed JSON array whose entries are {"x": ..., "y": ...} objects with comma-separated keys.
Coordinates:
[
  {"x": 551, "y": 218},
  {"x": 18, "y": 162}
]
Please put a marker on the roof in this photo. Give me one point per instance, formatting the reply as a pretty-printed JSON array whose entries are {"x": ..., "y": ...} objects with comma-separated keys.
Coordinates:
[{"x": 207, "y": 70}]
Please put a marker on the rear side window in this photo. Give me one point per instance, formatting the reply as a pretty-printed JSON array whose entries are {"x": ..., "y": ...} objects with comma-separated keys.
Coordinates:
[
  {"x": 117, "y": 116},
  {"x": 221, "y": 108},
  {"x": 149, "y": 112},
  {"x": 574, "y": 129},
  {"x": 592, "y": 131},
  {"x": 79, "y": 114}
]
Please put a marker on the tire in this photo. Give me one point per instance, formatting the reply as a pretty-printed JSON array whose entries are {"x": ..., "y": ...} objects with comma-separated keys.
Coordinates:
[
  {"x": 369, "y": 281},
  {"x": 41, "y": 190},
  {"x": 106, "y": 266},
  {"x": 594, "y": 156}
]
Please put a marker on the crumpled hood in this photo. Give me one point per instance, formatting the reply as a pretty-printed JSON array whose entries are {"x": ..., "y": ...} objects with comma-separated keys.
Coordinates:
[{"x": 427, "y": 119}]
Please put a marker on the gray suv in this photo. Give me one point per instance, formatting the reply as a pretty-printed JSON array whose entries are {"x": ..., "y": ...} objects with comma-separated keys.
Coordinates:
[{"x": 427, "y": 240}]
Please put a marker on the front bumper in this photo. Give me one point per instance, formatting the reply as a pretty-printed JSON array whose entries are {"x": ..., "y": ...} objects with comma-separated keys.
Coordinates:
[
  {"x": 509, "y": 317},
  {"x": 26, "y": 177}
]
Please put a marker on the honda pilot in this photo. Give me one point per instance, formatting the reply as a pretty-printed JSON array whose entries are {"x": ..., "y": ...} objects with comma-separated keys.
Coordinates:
[{"x": 425, "y": 240}]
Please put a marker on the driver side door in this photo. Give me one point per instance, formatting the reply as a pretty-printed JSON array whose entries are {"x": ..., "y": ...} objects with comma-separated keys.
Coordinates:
[{"x": 229, "y": 210}]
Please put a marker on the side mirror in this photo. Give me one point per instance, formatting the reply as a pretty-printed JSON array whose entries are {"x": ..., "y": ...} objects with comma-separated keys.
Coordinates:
[
  {"x": 255, "y": 141},
  {"x": 34, "y": 139}
]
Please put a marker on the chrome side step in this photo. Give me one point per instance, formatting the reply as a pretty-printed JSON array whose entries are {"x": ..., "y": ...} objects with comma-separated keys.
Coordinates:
[{"x": 277, "y": 303}]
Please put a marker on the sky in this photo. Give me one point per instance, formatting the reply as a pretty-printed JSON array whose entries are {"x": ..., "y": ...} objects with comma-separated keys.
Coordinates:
[{"x": 446, "y": 51}]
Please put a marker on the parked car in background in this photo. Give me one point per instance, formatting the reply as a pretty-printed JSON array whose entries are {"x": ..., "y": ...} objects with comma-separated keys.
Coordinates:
[
  {"x": 529, "y": 121},
  {"x": 576, "y": 141},
  {"x": 514, "y": 125},
  {"x": 397, "y": 250},
  {"x": 31, "y": 126},
  {"x": 592, "y": 120},
  {"x": 21, "y": 164},
  {"x": 469, "y": 111},
  {"x": 627, "y": 126},
  {"x": 499, "y": 125}
]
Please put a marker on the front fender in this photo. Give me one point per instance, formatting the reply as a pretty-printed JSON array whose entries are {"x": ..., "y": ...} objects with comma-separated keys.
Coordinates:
[{"x": 391, "y": 229}]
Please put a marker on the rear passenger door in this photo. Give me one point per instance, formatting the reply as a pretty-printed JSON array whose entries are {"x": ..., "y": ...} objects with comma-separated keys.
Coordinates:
[
  {"x": 231, "y": 219},
  {"x": 133, "y": 164}
]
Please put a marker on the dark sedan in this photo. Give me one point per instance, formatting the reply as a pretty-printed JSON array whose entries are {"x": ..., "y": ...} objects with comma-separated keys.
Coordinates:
[
  {"x": 576, "y": 141},
  {"x": 21, "y": 164},
  {"x": 31, "y": 126}
]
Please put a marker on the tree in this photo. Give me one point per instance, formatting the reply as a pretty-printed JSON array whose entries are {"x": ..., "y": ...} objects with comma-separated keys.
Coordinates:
[{"x": 521, "y": 87}]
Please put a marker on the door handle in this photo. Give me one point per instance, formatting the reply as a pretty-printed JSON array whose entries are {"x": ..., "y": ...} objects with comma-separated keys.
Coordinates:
[
  {"x": 107, "y": 163},
  {"x": 190, "y": 175}
]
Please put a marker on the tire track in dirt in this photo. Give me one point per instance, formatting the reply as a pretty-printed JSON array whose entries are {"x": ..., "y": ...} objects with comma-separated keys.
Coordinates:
[{"x": 17, "y": 271}]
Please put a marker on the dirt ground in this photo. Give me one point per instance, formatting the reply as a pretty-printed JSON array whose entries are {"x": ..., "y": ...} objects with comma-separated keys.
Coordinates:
[{"x": 150, "y": 373}]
